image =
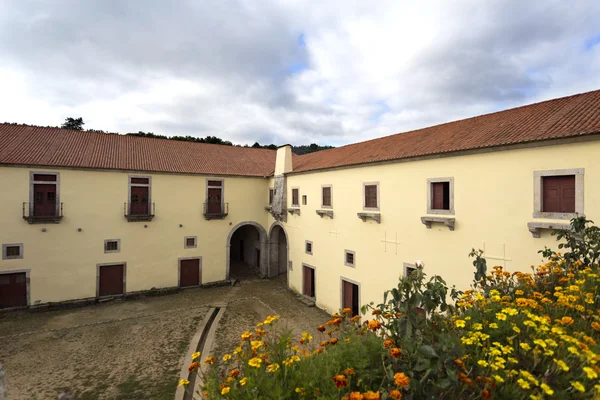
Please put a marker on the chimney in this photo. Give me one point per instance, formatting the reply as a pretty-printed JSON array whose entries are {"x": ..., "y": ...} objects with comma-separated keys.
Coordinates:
[{"x": 283, "y": 163}]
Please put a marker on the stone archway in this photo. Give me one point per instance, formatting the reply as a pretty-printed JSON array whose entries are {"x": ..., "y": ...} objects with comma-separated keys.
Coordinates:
[
  {"x": 253, "y": 250},
  {"x": 279, "y": 253}
]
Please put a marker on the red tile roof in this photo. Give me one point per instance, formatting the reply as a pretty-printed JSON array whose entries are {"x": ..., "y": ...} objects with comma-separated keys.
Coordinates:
[
  {"x": 565, "y": 117},
  {"x": 55, "y": 147}
]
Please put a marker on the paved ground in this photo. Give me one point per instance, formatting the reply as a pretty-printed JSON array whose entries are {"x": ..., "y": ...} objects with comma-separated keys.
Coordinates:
[{"x": 133, "y": 349}]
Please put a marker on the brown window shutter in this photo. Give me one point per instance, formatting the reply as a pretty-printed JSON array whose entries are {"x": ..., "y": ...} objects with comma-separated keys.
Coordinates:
[
  {"x": 327, "y": 196},
  {"x": 271, "y": 194},
  {"x": 371, "y": 196},
  {"x": 295, "y": 201},
  {"x": 437, "y": 202},
  {"x": 558, "y": 194},
  {"x": 347, "y": 294}
]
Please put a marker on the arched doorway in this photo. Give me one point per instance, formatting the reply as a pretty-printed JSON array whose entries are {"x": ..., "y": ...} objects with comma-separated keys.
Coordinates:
[
  {"x": 247, "y": 251},
  {"x": 278, "y": 250}
]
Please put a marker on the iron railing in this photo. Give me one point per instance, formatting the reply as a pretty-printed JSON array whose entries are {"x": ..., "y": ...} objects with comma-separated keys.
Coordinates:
[
  {"x": 216, "y": 210},
  {"x": 132, "y": 217},
  {"x": 29, "y": 215}
]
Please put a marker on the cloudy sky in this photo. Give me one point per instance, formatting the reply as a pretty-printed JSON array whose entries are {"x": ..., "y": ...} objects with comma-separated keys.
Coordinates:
[{"x": 277, "y": 71}]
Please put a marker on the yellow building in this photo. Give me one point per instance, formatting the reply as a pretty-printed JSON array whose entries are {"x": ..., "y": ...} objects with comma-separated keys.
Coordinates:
[{"x": 86, "y": 215}]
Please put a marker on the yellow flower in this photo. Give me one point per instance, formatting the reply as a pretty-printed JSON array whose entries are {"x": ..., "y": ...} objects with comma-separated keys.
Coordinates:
[
  {"x": 519, "y": 292},
  {"x": 195, "y": 355},
  {"x": 243, "y": 381},
  {"x": 493, "y": 325},
  {"x": 516, "y": 329},
  {"x": 498, "y": 379},
  {"x": 183, "y": 382},
  {"x": 225, "y": 390},
  {"x": 578, "y": 386},
  {"x": 501, "y": 317},
  {"x": 562, "y": 365},
  {"x": 523, "y": 383},
  {"x": 209, "y": 360},
  {"x": 227, "y": 357},
  {"x": 272, "y": 367},
  {"x": 255, "y": 362},
  {"x": 483, "y": 363},
  {"x": 547, "y": 389},
  {"x": 459, "y": 323},
  {"x": 237, "y": 350},
  {"x": 591, "y": 374},
  {"x": 477, "y": 326},
  {"x": 525, "y": 346}
]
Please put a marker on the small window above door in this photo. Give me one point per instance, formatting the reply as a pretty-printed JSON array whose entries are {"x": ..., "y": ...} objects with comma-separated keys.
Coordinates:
[
  {"x": 12, "y": 251},
  {"x": 112, "y": 245}
]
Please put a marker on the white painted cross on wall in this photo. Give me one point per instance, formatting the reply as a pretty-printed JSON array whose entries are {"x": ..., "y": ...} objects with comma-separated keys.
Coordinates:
[
  {"x": 504, "y": 259},
  {"x": 386, "y": 241}
]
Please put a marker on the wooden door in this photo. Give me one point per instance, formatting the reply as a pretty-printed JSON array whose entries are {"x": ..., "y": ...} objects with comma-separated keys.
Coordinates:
[
  {"x": 139, "y": 200},
  {"x": 350, "y": 297},
  {"x": 309, "y": 282},
  {"x": 111, "y": 280},
  {"x": 44, "y": 200},
  {"x": 214, "y": 201},
  {"x": 189, "y": 273},
  {"x": 13, "y": 290}
]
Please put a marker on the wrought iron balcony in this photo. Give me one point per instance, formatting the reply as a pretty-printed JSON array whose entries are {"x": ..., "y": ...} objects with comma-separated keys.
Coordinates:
[
  {"x": 135, "y": 215},
  {"x": 30, "y": 215},
  {"x": 216, "y": 210}
]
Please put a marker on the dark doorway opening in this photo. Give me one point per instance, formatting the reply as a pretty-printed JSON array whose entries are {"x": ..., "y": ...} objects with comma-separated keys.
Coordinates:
[
  {"x": 308, "y": 288},
  {"x": 350, "y": 297},
  {"x": 244, "y": 253}
]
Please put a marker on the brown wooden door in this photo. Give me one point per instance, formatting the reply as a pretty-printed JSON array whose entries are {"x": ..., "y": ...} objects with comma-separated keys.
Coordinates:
[
  {"x": 189, "y": 273},
  {"x": 44, "y": 200},
  {"x": 559, "y": 194},
  {"x": 214, "y": 201},
  {"x": 350, "y": 297},
  {"x": 13, "y": 290},
  {"x": 111, "y": 280},
  {"x": 309, "y": 282},
  {"x": 139, "y": 200}
]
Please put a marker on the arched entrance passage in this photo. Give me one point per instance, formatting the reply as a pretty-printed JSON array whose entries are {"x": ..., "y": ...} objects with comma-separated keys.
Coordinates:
[
  {"x": 278, "y": 250},
  {"x": 247, "y": 250}
]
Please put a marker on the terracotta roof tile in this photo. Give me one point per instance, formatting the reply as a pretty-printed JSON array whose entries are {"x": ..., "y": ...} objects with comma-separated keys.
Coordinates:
[
  {"x": 554, "y": 119},
  {"x": 55, "y": 147}
]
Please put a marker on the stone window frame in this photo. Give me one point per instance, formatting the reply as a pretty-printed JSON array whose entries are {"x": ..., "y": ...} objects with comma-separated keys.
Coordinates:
[
  {"x": 185, "y": 242},
  {"x": 346, "y": 263},
  {"x": 430, "y": 182},
  {"x": 271, "y": 195},
  {"x": 538, "y": 193},
  {"x": 4, "y": 251},
  {"x": 406, "y": 266},
  {"x": 352, "y": 281},
  {"x": 304, "y": 200},
  {"x": 292, "y": 196},
  {"x": 364, "y": 199},
  {"x": 306, "y": 243},
  {"x": 148, "y": 185},
  {"x": 32, "y": 184},
  {"x": 118, "y": 250},
  {"x": 331, "y": 195},
  {"x": 27, "y": 273}
]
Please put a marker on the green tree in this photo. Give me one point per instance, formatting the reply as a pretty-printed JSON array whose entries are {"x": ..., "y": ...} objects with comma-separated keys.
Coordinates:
[{"x": 75, "y": 124}]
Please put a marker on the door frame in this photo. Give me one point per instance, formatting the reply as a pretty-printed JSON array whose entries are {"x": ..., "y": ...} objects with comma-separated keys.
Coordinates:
[
  {"x": 342, "y": 279},
  {"x": 179, "y": 271},
  {"x": 27, "y": 281},
  {"x": 124, "y": 264},
  {"x": 314, "y": 280},
  {"x": 32, "y": 184}
]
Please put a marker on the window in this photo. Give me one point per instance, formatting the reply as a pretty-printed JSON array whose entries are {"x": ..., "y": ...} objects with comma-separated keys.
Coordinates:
[
  {"x": 371, "y": 196},
  {"x": 190, "y": 242},
  {"x": 304, "y": 200},
  {"x": 44, "y": 201},
  {"x": 349, "y": 258},
  {"x": 112, "y": 245},
  {"x": 12, "y": 251},
  {"x": 271, "y": 195},
  {"x": 295, "y": 197},
  {"x": 326, "y": 196},
  {"x": 139, "y": 195},
  {"x": 440, "y": 194},
  {"x": 409, "y": 269},
  {"x": 214, "y": 197},
  {"x": 308, "y": 247},
  {"x": 558, "y": 194}
]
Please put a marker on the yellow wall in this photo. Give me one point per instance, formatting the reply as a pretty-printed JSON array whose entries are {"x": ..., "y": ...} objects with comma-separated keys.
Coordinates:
[
  {"x": 63, "y": 261},
  {"x": 493, "y": 201}
]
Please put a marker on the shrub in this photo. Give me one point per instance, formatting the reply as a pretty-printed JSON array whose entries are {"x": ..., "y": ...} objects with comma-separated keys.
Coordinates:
[{"x": 511, "y": 336}]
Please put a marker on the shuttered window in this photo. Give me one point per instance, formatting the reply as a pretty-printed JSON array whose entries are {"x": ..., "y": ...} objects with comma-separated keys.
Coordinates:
[
  {"x": 558, "y": 194},
  {"x": 112, "y": 246},
  {"x": 440, "y": 196},
  {"x": 326, "y": 196},
  {"x": 349, "y": 258},
  {"x": 371, "y": 196},
  {"x": 191, "y": 242},
  {"x": 271, "y": 195},
  {"x": 295, "y": 197}
]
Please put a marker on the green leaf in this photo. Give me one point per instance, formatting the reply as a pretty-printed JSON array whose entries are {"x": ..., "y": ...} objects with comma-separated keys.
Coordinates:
[
  {"x": 428, "y": 351},
  {"x": 422, "y": 364}
]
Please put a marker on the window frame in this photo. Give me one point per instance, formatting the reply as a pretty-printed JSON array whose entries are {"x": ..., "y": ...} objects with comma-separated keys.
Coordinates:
[
  {"x": 538, "y": 199},
  {"x": 346, "y": 263},
  {"x": 406, "y": 266},
  {"x": 292, "y": 197},
  {"x": 118, "y": 250},
  {"x": 364, "y": 198},
  {"x": 185, "y": 242},
  {"x": 306, "y": 243},
  {"x": 271, "y": 195},
  {"x": 304, "y": 200},
  {"x": 330, "y": 196},
  {"x": 148, "y": 185},
  {"x": 32, "y": 184},
  {"x": 430, "y": 209},
  {"x": 5, "y": 247},
  {"x": 222, "y": 187}
]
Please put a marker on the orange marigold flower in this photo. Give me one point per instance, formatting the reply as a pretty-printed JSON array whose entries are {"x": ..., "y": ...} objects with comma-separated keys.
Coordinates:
[
  {"x": 388, "y": 343},
  {"x": 596, "y": 326},
  {"x": 193, "y": 366},
  {"x": 395, "y": 352},
  {"x": 317, "y": 351},
  {"x": 355, "y": 319},
  {"x": 234, "y": 373},
  {"x": 459, "y": 363},
  {"x": 374, "y": 325},
  {"x": 349, "y": 371},
  {"x": 486, "y": 394},
  {"x": 376, "y": 312},
  {"x": 340, "y": 381},
  {"x": 210, "y": 360},
  {"x": 324, "y": 343},
  {"x": 401, "y": 379},
  {"x": 334, "y": 340},
  {"x": 321, "y": 328},
  {"x": 356, "y": 396},
  {"x": 395, "y": 394},
  {"x": 371, "y": 395},
  {"x": 347, "y": 310}
]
